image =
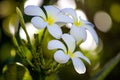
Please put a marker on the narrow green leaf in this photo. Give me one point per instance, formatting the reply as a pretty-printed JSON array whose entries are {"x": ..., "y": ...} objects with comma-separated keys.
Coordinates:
[{"x": 107, "y": 68}]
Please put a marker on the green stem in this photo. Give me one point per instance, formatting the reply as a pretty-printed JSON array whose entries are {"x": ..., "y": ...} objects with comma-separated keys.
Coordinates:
[
  {"x": 20, "y": 52},
  {"x": 40, "y": 45},
  {"x": 39, "y": 59},
  {"x": 42, "y": 37},
  {"x": 23, "y": 24},
  {"x": 27, "y": 36}
]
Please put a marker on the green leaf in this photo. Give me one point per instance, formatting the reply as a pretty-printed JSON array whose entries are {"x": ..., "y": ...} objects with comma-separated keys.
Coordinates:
[
  {"x": 107, "y": 68},
  {"x": 16, "y": 71}
]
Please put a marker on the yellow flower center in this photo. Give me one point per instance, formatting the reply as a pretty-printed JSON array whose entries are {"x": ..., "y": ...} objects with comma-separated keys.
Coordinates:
[
  {"x": 70, "y": 54},
  {"x": 77, "y": 23},
  {"x": 50, "y": 20}
]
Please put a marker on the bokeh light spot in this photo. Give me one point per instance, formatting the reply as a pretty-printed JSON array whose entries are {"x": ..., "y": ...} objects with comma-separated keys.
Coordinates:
[
  {"x": 102, "y": 21},
  {"x": 6, "y": 8},
  {"x": 33, "y": 2},
  {"x": 115, "y": 12},
  {"x": 10, "y": 25},
  {"x": 66, "y": 4},
  {"x": 13, "y": 52}
]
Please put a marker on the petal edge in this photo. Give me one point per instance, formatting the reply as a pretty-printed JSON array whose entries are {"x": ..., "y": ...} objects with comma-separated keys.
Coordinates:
[
  {"x": 60, "y": 57},
  {"x": 79, "y": 65}
]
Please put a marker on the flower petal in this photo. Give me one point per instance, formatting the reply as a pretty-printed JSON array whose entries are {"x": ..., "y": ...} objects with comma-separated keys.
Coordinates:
[
  {"x": 79, "y": 33},
  {"x": 55, "y": 44},
  {"x": 63, "y": 18},
  {"x": 80, "y": 55},
  {"x": 55, "y": 31},
  {"x": 51, "y": 10},
  {"x": 70, "y": 41},
  {"x": 34, "y": 11},
  {"x": 61, "y": 57},
  {"x": 60, "y": 24},
  {"x": 86, "y": 22},
  {"x": 79, "y": 65},
  {"x": 93, "y": 33},
  {"x": 38, "y": 22},
  {"x": 70, "y": 11}
]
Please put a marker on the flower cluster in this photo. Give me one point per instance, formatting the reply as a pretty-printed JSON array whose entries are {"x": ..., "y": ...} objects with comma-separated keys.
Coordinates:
[
  {"x": 53, "y": 19},
  {"x": 65, "y": 44}
]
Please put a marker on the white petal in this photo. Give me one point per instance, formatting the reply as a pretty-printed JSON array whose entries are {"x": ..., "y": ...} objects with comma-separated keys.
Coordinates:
[
  {"x": 70, "y": 41},
  {"x": 86, "y": 22},
  {"x": 34, "y": 11},
  {"x": 79, "y": 33},
  {"x": 63, "y": 18},
  {"x": 38, "y": 22},
  {"x": 79, "y": 65},
  {"x": 70, "y": 11},
  {"x": 60, "y": 23},
  {"x": 93, "y": 33},
  {"x": 55, "y": 44},
  {"x": 61, "y": 57},
  {"x": 80, "y": 55},
  {"x": 51, "y": 10},
  {"x": 55, "y": 31}
]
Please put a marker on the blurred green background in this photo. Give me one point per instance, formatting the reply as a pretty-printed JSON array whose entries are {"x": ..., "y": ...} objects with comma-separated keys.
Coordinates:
[{"x": 104, "y": 14}]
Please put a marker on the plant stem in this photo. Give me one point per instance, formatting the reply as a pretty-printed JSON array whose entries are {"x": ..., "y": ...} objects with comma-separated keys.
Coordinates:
[
  {"x": 20, "y": 52},
  {"x": 31, "y": 48},
  {"x": 23, "y": 24}
]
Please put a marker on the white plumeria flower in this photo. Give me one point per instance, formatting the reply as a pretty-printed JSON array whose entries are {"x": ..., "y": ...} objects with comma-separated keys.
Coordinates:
[
  {"x": 52, "y": 20},
  {"x": 79, "y": 27},
  {"x": 63, "y": 54}
]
